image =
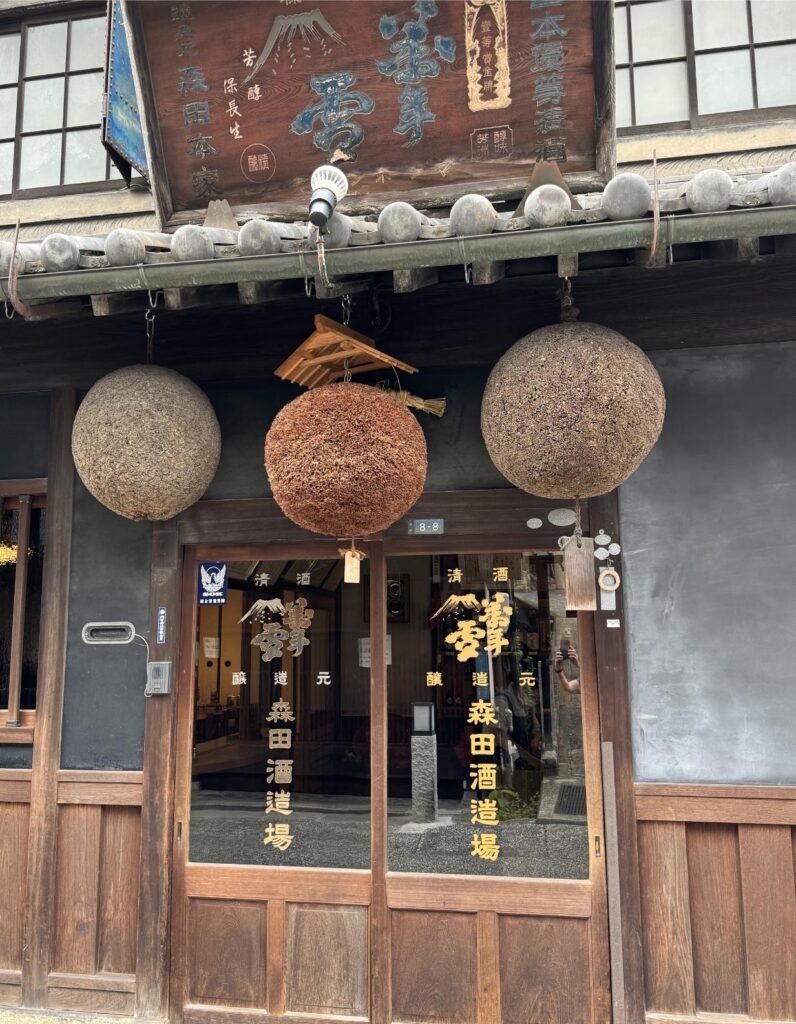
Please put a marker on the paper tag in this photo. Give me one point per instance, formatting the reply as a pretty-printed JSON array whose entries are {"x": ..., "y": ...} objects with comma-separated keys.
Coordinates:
[
  {"x": 613, "y": 623},
  {"x": 608, "y": 600}
]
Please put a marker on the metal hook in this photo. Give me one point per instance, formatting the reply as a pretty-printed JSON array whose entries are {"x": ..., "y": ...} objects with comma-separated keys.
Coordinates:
[
  {"x": 468, "y": 273},
  {"x": 7, "y": 306},
  {"x": 153, "y": 302},
  {"x": 308, "y": 287}
]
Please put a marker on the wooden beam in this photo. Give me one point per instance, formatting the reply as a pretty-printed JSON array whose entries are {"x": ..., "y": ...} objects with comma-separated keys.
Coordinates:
[
  {"x": 157, "y": 803},
  {"x": 615, "y": 728},
  {"x": 47, "y": 744},
  {"x": 413, "y": 279},
  {"x": 380, "y": 944}
]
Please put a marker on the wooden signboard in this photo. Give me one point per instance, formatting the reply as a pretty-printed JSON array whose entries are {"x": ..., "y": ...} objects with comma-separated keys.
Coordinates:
[{"x": 426, "y": 99}]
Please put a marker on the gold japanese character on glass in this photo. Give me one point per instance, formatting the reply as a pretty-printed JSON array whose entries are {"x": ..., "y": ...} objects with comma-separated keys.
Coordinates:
[
  {"x": 433, "y": 679},
  {"x": 482, "y": 712},
  {"x": 280, "y": 738},
  {"x": 480, "y": 679},
  {"x": 278, "y": 835},
  {"x": 484, "y": 812},
  {"x": 482, "y": 743},
  {"x": 280, "y": 712},
  {"x": 485, "y": 846},
  {"x": 279, "y": 771},
  {"x": 496, "y": 617},
  {"x": 483, "y": 776},
  {"x": 278, "y": 803},
  {"x": 466, "y": 638}
]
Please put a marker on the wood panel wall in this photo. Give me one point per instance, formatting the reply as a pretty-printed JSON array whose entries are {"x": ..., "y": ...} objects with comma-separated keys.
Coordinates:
[
  {"x": 93, "y": 918},
  {"x": 14, "y": 819},
  {"x": 718, "y": 902}
]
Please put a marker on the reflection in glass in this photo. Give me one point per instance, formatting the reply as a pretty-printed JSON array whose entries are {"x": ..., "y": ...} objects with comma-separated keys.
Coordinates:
[
  {"x": 624, "y": 109},
  {"x": 658, "y": 30},
  {"x": 661, "y": 93},
  {"x": 9, "y": 554},
  {"x": 722, "y": 24},
  {"x": 40, "y": 161},
  {"x": 43, "y": 104},
  {"x": 8, "y": 112},
  {"x": 85, "y": 157},
  {"x": 281, "y": 770},
  {"x": 776, "y": 79},
  {"x": 724, "y": 81},
  {"x": 84, "y": 103},
  {"x": 499, "y": 787},
  {"x": 9, "y": 58},
  {"x": 45, "y": 49},
  {"x": 773, "y": 19},
  {"x": 87, "y": 45},
  {"x": 6, "y": 166}
]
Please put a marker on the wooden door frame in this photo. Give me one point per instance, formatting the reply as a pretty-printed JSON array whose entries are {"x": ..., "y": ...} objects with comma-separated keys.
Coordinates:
[{"x": 258, "y": 523}]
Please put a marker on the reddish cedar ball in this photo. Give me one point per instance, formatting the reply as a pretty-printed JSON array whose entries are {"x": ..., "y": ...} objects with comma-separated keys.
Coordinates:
[
  {"x": 345, "y": 460},
  {"x": 146, "y": 442},
  {"x": 571, "y": 410}
]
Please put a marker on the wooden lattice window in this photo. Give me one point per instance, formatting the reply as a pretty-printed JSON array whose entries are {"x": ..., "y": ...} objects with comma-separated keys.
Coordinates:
[{"x": 23, "y": 516}]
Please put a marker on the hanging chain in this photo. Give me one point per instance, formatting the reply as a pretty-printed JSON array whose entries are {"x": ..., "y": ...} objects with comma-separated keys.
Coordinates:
[
  {"x": 346, "y": 373},
  {"x": 149, "y": 317},
  {"x": 346, "y": 303},
  {"x": 569, "y": 312}
]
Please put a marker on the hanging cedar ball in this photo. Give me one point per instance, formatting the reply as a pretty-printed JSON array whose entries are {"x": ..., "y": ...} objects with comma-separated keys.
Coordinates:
[
  {"x": 571, "y": 410},
  {"x": 146, "y": 442},
  {"x": 345, "y": 460}
]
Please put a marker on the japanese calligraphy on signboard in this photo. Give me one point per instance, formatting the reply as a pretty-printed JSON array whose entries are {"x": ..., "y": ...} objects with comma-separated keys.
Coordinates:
[{"x": 251, "y": 97}]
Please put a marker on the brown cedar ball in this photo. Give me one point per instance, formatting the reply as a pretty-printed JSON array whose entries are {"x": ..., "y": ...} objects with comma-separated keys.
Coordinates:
[
  {"x": 571, "y": 410},
  {"x": 345, "y": 460},
  {"x": 146, "y": 442}
]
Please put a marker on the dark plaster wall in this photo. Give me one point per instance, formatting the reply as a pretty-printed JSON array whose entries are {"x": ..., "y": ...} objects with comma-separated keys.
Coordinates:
[
  {"x": 709, "y": 552},
  {"x": 104, "y": 697},
  {"x": 24, "y": 429}
]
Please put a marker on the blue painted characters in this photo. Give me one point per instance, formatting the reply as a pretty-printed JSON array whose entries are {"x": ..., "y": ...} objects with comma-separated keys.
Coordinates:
[
  {"x": 413, "y": 61},
  {"x": 339, "y": 134}
]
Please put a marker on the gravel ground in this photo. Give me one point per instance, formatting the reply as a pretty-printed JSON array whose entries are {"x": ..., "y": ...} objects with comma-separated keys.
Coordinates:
[{"x": 228, "y": 829}]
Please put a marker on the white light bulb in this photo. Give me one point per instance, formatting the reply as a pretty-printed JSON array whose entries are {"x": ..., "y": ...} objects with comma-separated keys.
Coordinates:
[{"x": 332, "y": 178}]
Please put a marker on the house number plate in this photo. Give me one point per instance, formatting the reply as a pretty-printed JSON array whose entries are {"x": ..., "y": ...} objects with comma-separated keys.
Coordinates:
[{"x": 422, "y": 527}]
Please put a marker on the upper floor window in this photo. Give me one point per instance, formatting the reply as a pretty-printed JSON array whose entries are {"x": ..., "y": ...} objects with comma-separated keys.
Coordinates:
[
  {"x": 51, "y": 82},
  {"x": 694, "y": 63}
]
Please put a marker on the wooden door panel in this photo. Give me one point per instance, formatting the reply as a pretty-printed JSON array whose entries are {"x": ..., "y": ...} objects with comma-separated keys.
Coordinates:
[
  {"x": 13, "y": 862},
  {"x": 434, "y": 966},
  {"x": 769, "y": 904},
  {"x": 226, "y": 954},
  {"x": 714, "y": 882},
  {"x": 544, "y": 970},
  {"x": 76, "y": 889},
  {"x": 118, "y": 891},
  {"x": 665, "y": 915},
  {"x": 327, "y": 959}
]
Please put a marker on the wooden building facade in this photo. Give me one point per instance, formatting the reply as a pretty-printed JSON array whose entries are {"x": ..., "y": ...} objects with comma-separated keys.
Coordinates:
[{"x": 136, "y": 882}]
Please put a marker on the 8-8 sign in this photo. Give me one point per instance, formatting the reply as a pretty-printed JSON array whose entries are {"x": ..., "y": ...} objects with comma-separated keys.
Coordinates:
[{"x": 422, "y": 527}]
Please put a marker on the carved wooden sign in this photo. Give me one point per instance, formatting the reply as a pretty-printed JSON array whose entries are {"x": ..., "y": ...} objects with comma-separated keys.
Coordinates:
[{"x": 250, "y": 97}]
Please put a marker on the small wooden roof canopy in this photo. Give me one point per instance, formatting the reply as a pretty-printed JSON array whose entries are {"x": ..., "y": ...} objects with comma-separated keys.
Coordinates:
[{"x": 322, "y": 358}]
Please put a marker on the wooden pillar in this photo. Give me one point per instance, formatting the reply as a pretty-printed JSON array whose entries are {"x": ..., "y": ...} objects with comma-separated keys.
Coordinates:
[
  {"x": 157, "y": 808},
  {"x": 614, "y": 700},
  {"x": 47, "y": 737},
  {"x": 380, "y": 952}
]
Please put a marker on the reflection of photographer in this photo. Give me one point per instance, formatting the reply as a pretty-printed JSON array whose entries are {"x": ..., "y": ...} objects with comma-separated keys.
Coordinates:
[{"x": 566, "y": 666}]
